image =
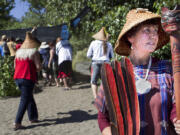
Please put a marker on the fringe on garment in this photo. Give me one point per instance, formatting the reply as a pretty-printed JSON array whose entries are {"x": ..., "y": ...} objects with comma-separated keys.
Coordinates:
[{"x": 25, "y": 53}]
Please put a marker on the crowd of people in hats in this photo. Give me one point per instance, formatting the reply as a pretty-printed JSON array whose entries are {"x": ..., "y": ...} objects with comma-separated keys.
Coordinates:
[
  {"x": 49, "y": 54},
  {"x": 31, "y": 57},
  {"x": 140, "y": 36}
]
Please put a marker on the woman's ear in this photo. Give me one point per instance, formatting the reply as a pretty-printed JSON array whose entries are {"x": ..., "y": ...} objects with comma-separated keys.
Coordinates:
[{"x": 130, "y": 39}]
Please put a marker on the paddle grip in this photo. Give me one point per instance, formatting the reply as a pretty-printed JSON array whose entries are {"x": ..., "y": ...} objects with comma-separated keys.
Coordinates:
[{"x": 171, "y": 24}]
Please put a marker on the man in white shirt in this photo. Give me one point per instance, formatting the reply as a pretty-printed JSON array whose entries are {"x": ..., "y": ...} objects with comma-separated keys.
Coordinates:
[{"x": 99, "y": 51}]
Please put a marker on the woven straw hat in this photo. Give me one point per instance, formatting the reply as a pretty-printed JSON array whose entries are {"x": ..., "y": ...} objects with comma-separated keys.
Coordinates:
[
  {"x": 101, "y": 35},
  {"x": 134, "y": 18},
  {"x": 30, "y": 42}
]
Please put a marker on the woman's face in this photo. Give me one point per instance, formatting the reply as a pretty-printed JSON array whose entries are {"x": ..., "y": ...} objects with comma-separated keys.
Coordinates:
[{"x": 145, "y": 39}]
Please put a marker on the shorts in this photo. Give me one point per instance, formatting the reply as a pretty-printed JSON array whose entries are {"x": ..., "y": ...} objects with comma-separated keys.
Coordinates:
[{"x": 96, "y": 72}]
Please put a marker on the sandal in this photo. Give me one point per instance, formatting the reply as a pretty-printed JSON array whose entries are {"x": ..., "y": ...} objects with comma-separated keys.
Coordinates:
[
  {"x": 34, "y": 121},
  {"x": 18, "y": 126},
  {"x": 67, "y": 88}
]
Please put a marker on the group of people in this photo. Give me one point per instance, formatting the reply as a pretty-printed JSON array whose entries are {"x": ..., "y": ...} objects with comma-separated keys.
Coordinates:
[
  {"x": 141, "y": 35},
  {"x": 8, "y": 46},
  {"x": 50, "y": 54},
  {"x": 56, "y": 57},
  {"x": 31, "y": 56}
]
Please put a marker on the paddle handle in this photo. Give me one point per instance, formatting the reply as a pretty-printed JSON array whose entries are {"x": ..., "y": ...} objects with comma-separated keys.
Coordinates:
[
  {"x": 175, "y": 50},
  {"x": 171, "y": 24}
]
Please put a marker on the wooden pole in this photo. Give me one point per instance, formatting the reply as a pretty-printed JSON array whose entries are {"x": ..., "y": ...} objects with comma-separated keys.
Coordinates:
[
  {"x": 175, "y": 50},
  {"x": 171, "y": 24}
]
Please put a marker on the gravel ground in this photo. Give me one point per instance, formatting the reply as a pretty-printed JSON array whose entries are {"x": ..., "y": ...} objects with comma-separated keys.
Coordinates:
[{"x": 60, "y": 112}]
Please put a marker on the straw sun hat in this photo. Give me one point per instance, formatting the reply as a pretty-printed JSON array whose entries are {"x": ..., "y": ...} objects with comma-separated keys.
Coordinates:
[
  {"x": 101, "y": 35},
  {"x": 134, "y": 18},
  {"x": 30, "y": 42}
]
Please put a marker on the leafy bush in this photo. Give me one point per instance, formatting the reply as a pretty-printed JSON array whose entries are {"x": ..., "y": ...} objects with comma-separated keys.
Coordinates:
[
  {"x": 7, "y": 84},
  {"x": 80, "y": 41},
  {"x": 80, "y": 57},
  {"x": 163, "y": 53}
]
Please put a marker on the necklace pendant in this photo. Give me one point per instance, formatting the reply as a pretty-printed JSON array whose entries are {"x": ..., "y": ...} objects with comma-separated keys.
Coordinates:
[{"x": 143, "y": 86}]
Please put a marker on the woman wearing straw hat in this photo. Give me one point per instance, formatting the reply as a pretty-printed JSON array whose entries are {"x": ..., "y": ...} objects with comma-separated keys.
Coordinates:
[
  {"x": 141, "y": 35},
  {"x": 27, "y": 64},
  {"x": 100, "y": 50}
]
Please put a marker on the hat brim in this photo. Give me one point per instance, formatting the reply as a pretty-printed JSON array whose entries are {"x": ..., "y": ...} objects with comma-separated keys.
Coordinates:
[
  {"x": 101, "y": 35},
  {"x": 122, "y": 47},
  {"x": 44, "y": 46}
]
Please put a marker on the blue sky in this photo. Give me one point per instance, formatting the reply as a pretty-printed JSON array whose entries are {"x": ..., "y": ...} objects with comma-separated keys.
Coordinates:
[{"x": 20, "y": 9}]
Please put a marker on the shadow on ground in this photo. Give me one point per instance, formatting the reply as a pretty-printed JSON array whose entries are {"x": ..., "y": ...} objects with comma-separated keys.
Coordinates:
[
  {"x": 80, "y": 78},
  {"x": 75, "y": 116},
  {"x": 38, "y": 88}
]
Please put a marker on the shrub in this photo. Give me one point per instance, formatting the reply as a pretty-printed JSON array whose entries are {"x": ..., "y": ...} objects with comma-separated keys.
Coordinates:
[
  {"x": 7, "y": 84},
  {"x": 80, "y": 57}
]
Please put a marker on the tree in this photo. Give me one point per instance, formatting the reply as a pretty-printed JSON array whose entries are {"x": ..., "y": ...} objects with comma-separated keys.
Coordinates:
[
  {"x": 108, "y": 13},
  {"x": 5, "y": 7}
]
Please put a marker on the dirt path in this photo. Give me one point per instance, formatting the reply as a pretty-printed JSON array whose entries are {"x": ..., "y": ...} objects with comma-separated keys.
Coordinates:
[{"x": 60, "y": 113}]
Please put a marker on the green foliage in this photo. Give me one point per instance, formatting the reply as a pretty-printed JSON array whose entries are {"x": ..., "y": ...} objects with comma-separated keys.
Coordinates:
[
  {"x": 108, "y": 13},
  {"x": 163, "y": 53},
  {"x": 7, "y": 84},
  {"x": 32, "y": 19},
  {"x": 158, "y": 4},
  {"x": 80, "y": 41},
  {"x": 5, "y": 8},
  {"x": 114, "y": 19},
  {"x": 80, "y": 57}
]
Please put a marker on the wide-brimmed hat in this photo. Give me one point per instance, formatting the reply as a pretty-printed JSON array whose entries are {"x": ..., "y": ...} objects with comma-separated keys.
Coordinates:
[
  {"x": 101, "y": 35},
  {"x": 134, "y": 18},
  {"x": 30, "y": 42},
  {"x": 44, "y": 45}
]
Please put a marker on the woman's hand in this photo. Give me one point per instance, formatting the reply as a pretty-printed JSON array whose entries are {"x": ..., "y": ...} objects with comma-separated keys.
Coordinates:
[
  {"x": 177, "y": 125},
  {"x": 49, "y": 65},
  {"x": 107, "y": 131}
]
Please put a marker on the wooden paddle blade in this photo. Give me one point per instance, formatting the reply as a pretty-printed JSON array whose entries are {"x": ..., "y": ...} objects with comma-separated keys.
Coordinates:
[
  {"x": 129, "y": 80},
  {"x": 123, "y": 99},
  {"x": 112, "y": 99}
]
